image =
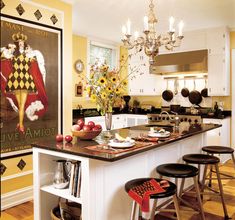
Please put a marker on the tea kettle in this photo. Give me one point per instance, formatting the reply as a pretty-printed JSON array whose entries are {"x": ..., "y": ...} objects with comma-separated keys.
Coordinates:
[{"x": 61, "y": 178}]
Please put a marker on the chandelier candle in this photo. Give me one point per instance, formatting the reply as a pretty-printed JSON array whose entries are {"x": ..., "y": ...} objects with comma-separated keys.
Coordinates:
[{"x": 151, "y": 41}]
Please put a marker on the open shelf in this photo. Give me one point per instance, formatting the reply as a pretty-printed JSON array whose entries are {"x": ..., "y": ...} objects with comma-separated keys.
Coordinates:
[{"x": 63, "y": 193}]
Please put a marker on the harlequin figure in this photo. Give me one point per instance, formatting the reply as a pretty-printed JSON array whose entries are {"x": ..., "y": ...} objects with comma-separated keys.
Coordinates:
[{"x": 22, "y": 79}]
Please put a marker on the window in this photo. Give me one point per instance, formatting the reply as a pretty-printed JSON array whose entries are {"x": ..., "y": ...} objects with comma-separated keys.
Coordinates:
[{"x": 102, "y": 53}]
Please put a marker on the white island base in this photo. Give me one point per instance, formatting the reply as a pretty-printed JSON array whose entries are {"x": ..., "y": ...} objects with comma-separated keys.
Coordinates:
[{"x": 102, "y": 186}]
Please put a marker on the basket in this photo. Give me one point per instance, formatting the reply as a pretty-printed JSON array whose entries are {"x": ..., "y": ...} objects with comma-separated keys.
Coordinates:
[
  {"x": 55, "y": 213},
  {"x": 69, "y": 210}
]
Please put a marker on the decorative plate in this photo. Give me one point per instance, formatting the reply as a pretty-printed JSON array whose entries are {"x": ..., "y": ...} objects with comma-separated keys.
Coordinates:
[
  {"x": 124, "y": 144},
  {"x": 159, "y": 134}
]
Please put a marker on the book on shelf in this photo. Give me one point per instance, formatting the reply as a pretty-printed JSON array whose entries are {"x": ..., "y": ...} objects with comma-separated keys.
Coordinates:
[
  {"x": 75, "y": 179},
  {"x": 79, "y": 181}
]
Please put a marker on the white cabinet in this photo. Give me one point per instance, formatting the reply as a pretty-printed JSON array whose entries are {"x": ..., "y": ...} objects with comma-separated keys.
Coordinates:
[
  {"x": 141, "y": 82},
  {"x": 218, "y": 44},
  {"x": 219, "y": 136},
  {"x": 133, "y": 120},
  {"x": 118, "y": 121},
  {"x": 193, "y": 40}
]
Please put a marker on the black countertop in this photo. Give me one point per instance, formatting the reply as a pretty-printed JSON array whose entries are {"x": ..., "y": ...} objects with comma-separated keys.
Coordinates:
[
  {"x": 78, "y": 147},
  {"x": 93, "y": 112}
]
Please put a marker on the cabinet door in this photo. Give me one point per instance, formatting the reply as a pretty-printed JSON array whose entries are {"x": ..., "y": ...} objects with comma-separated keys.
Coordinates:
[
  {"x": 213, "y": 136},
  {"x": 141, "y": 121},
  {"x": 130, "y": 122},
  {"x": 216, "y": 40},
  {"x": 218, "y": 79}
]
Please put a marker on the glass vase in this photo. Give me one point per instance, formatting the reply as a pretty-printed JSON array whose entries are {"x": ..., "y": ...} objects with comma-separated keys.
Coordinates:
[{"x": 108, "y": 123}]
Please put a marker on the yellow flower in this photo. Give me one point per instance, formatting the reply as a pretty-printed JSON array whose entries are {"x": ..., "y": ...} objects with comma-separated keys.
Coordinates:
[
  {"x": 118, "y": 91},
  {"x": 124, "y": 83},
  {"x": 114, "y": 79},
  {"x": 102, "y": 81},
  {"x": 109, "y": 89},
  {"x": 103, "y": 95},
  {"x": 88, "y": 89},
  {"x": 93, "y": 98}
]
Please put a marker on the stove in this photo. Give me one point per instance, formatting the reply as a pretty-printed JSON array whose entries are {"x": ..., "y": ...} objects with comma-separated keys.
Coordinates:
[{"x": 164, "y": 118}]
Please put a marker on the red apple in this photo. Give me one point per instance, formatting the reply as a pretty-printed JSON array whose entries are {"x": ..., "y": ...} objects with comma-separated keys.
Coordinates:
[
  {"x": 99, "y": 126},
  {"x": 76, "y": 127},
  {"x": 80, "y": 122},
  {"x": 91, "y": 124},
  {"x": 86, "y": 128},
  {"x": 59, "y": 137},
  {"x": 95, "y": 129},
  {"x": 68, "y": 138}
]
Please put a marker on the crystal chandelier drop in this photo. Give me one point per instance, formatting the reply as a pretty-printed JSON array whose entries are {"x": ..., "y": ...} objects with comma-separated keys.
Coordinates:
[{"x": 151, "y": 41}]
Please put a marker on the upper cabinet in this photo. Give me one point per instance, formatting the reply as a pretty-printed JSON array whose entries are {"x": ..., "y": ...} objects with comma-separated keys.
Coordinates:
[
  {"x": 218, "y": 45},
  {"x": 215, "y": 40},
  {"x": 141, "y": 82}
]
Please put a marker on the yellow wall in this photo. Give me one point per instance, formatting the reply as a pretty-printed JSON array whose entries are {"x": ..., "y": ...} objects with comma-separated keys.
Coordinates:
[{"x": 63, "y": 11}]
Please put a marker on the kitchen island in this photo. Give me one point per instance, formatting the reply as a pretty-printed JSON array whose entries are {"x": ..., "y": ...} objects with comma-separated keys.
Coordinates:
[{"x": 105, "y": 172}]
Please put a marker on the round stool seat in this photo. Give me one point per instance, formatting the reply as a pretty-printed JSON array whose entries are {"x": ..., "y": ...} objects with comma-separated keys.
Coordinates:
[
  {"x": 218, "y": 150},
  {"x": 177, "y": 170},
  {"x": 169, "y": 191},
  {"x": 200, "y": 159}
]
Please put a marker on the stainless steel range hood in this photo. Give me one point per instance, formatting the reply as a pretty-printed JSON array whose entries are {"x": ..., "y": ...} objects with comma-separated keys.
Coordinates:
[{"x": 184, "y": 62}]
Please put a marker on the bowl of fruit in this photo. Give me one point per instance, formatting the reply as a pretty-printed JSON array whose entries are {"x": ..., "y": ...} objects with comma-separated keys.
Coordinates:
[{"x": 86, "y": 131}]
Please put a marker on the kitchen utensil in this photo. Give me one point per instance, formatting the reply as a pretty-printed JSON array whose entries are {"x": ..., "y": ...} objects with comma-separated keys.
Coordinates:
[
  {"x": 185, "y": 91},
  {"x": 60, "y": 179},
  {"x": 167, "y": 94},
  {"x": 176, "y": 85},
  {"x": 195, "y": 96},
  {"x": 204, "y": 91}
]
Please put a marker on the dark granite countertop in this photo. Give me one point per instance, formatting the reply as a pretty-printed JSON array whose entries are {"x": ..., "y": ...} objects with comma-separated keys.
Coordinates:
[
  {"x": 78, "y": 147},
  {"x": 93, "y": 112}
]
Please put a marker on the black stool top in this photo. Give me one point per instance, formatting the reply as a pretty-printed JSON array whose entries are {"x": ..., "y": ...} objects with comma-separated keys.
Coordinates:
[
  {"x": 200, "y": 159},
  {"x": 218, "y": 149},
  {"x": 177, "y": 170},
  {"x": 169, "y": 191}
]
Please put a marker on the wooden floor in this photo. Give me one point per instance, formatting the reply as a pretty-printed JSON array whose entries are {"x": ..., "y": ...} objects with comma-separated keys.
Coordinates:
[{"x": 212, "y": 205}]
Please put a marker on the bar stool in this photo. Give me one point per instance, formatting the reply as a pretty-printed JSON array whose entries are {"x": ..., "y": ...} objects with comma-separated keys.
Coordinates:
[
  {"x": 220, "y": 150},
  {"x": 169, "y": 191},
  {"x": 204, "y": 159},
  {"x": 182, "y": 171}
]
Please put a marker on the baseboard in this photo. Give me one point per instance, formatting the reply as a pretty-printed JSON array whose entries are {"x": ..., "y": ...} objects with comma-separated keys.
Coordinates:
[{"x": 16, "y": 197}]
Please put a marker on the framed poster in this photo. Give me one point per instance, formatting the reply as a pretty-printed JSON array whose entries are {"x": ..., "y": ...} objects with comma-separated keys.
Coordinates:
[{"x": 31, "y": 83}]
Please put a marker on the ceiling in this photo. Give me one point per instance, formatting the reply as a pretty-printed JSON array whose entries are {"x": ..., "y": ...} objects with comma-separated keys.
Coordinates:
[{"x": 103, "y": 19}]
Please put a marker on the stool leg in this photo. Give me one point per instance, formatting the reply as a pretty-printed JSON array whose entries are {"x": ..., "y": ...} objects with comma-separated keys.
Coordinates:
[
  {"x": 133, "y": 210},
  {"x": 181, "y": 187},
  {"x": 221, "y": 191},
  {"x": 199, "y": 197},
  {"x": 209, "y": 184},
  {"x": 204, "y": 178},
  {"x": 233, "y": 159},
  {"x": 177, "y": 209},
  {"x": 153, "y": 209}
]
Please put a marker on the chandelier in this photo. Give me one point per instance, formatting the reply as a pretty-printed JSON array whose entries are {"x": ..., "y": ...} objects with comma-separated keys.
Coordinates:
[{"x": 151, "y": 41}]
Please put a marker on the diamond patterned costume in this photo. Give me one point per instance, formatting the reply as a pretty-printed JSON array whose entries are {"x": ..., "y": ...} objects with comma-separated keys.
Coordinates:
[
  {"x": 24, "y": 72},
  {"x": 20, "y": 78}
]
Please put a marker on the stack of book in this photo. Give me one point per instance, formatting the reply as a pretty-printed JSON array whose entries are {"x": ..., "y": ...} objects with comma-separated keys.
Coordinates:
[{"x": 75, "y": 179}]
